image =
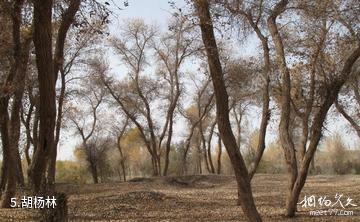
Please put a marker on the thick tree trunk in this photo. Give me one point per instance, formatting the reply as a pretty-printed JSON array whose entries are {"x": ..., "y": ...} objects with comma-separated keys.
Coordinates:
[
  {"x": 47, "y": 108},
  {"x": 16, "y": 108},
  {"x": 8, "y": 170},
  {"x": 222, "y": 113}
]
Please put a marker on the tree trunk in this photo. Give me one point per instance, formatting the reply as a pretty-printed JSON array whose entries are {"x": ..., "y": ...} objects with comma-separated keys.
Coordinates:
[
  {"x": 123, "y": 170},
  {"x": 199, "y": 165},
  {"x": 209, "y": 147},
  {"x": 10, "y": 133},
  {"x": 168, "y": 146},
  {"x": 94, "y": 173},
  {"x": 204, "y": 150},
  {"x": 284, "y": 133},
  {"x": 59, "y": 214},
  {"x": 16, "y": 107},
  {"x": 265, "y": 116},
  {"x": 8, "y": 170},
  {"x": 47, "y": 108},
  {"x": 67, "y": 19},
  {"x": 122, "y": 161},
  {"x": 312, "y": 165},
  {"x": 219, "y": 156},
  {"x": 222, "y": 113}
]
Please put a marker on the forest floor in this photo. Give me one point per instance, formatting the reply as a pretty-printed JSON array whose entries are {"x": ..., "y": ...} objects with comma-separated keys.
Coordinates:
[{"x": 200, "y": 198}]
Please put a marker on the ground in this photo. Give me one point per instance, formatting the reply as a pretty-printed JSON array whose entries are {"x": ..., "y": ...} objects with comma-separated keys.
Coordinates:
[{"x": 199, "y": 198}]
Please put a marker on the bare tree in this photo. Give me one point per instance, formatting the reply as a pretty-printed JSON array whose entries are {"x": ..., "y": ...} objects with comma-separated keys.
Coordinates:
[
  {"x": 254, "y": 15},
  {"x": 174, "y": 48},
  {"x": 86, "y": 129},
  {"x": 142, "y": 91},
  {"x": 204, "y": 103}
]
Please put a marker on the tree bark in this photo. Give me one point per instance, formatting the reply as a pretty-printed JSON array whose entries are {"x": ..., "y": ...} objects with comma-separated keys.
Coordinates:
[
  {"x": 47, "y": 108},
  {"x": 222, "y": 112}
]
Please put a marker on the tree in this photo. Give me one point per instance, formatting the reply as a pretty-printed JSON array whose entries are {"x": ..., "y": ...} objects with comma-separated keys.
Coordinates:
[
  {"x": 326, "y": 94},
  {"x": 175, "y": 47},
  {"x": 120, "y": 134},
  {"x": 47, "y": 62},
  {"x": 195, "y": 116},
  {"x": 143, "y": 91},
  {"x": 10, "y": 123},
  {"x": 94, "y": 152},
  {"x": 249, "y": 17},
  {"x": 222, "y": 112}
]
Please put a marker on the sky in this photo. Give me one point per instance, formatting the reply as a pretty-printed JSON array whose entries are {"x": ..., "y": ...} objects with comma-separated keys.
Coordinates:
[{"x": 157, "y": 12}]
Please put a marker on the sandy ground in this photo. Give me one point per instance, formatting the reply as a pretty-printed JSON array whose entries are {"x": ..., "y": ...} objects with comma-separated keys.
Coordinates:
[{"x": 200, "y": 198}]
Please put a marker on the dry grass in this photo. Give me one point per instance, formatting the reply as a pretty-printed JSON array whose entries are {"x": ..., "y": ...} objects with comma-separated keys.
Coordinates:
[{"x": 194, "y": 198}]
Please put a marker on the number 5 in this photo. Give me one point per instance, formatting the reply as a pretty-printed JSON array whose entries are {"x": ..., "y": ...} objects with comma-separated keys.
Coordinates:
[{"x": 13, "y": 202}]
